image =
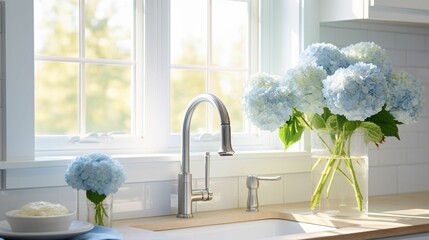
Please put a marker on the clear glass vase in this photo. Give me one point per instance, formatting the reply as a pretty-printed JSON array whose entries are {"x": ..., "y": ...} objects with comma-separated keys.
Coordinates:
[
  {"x": 102, "y": 214},
  {"x": 340, "y": 174}
]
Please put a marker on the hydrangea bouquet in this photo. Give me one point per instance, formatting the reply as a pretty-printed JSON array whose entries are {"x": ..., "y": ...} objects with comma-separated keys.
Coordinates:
[
  {"x": 97, "y": 174},
  {"x": 340, "y": 91}
]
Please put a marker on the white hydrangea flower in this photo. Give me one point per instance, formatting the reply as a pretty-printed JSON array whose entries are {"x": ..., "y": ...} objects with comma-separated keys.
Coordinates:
[
  {"x": 356, "y": 92},
  {"x": 266, "y": 103},
  {"x": 406, "y": 98},
  {"x": 305, "y": 85},
  {"x": 368, "y": 52},
  {"x": 324, "y": 55}
]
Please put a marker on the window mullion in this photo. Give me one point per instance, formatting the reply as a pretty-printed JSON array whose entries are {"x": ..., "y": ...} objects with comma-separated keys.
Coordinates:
[
  {"x": 209, "y": 111},
  {"x": 81, "y": 84},
  {"x": 157, "y": 74},
  {"x": 137, "y": 115}
]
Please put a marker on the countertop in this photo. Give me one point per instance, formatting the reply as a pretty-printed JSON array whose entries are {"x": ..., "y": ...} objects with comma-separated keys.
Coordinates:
[{"x": 388, "y": 216}]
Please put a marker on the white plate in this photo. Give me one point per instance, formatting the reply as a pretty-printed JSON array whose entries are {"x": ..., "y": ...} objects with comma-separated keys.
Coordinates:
[{"x": 76, "y": 228}]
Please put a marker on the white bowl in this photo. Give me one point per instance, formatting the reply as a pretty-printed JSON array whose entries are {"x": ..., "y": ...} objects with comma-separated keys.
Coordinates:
[{"x": 39, "y": 223}]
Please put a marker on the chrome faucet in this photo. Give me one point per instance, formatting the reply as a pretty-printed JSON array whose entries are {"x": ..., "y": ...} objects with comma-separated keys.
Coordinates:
[{"x": 186, "y": 195}]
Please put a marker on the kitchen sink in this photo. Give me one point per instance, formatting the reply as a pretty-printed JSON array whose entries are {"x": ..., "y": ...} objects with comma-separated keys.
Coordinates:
[{"x": 258, "y": 229}]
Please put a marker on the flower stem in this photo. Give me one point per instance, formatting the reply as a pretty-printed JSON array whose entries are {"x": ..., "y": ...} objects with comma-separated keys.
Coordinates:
[
  {"x": 340, "y": 153},
  {"x": 355, "y": 185},
  {"x": 315, "y": 199}
]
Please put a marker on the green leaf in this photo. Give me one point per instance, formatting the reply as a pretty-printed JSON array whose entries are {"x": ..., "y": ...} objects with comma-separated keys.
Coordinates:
[
  {"x": 386, "y": 122},
  {"x": 332, "y": 124},
  {"x": 373, "y": 132},
  {"x": 291, "y": 131},
  {"x": 341, "y": 120},
  {"x": 317, "y": 122},
  {"x": 351, "y": 126},
  {"x": 95, "y": 197},
  {"x": 326, "y": 114}
]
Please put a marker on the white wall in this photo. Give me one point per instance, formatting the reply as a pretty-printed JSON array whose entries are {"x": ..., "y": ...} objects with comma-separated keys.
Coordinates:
[{"x": 396, "y": 167}]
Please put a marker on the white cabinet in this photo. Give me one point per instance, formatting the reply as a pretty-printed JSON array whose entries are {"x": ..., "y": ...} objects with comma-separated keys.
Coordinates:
[{"x": 409, "y": 11}]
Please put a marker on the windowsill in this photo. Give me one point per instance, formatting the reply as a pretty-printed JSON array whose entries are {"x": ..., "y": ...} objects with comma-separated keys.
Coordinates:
[
  {"x": 53, "y": 161},
  {"x": 49, "y": 171}
]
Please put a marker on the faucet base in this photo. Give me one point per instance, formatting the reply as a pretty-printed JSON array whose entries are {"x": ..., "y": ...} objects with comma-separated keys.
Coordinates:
[{"x": 184, "y": 215}]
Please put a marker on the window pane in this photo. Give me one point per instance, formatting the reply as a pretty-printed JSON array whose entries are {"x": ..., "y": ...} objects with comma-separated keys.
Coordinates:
[
  {"x": 56, "y": 98},
  {"x": 188, "y": 32},
  {"x": 185, "y": 85},
  {"x": 228, "y": 86},
  {"x": 108, "y": 29},
  {"x": 108, "y": 98},
  {"x": 56, "y": 24},
  {"x": 230, "y": 34}
]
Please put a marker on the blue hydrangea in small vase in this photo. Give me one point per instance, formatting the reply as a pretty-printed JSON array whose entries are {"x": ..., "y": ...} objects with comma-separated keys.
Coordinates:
[{"x": 100, "y": 176}]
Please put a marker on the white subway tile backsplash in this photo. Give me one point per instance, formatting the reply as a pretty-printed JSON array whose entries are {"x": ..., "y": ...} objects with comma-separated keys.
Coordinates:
[
  {"x": 397, "y": 57},
  {"x": 413, "y": 178},
  {"x": 417, "y": 59},
  {"x": 385, "y": 39},
  {"x": 376, "y": 27},
  {"x": 346, "y": 37},
  {"x": 382, "y": 180},
  {"x": 297, "y": 187},
  {"x": 426, "y": 42},
  {"x": 40, "y": 177},
  {"x": 328, "y": 34},
  {"x": 417, "y": 155},
  {"x": 408, "y": 139},
  {"x": 225, "y": 194},
  {"x": 391, "y": 157},
  {"x": 373, "y": 156},
  {"x": 345, "y": 24},
  {"x": 418, "y": 30},
  {"x": 423, "y": 140},
  {"x": 423, "y": 75},
  {"x": 145, "y": 199},
  {"x": 410, "y": 42}
]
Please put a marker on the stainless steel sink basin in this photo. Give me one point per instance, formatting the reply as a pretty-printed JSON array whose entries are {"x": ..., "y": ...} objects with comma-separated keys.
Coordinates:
[{"x": 258, "y": 229}]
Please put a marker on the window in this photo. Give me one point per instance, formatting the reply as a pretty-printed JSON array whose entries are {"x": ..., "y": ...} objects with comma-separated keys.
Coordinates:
[
  {"x": 209, "y": 53},
  {"x": 88, "y": 74},
  {"x": 84, "y": 67},
  {"x": 150, "y": 75}
]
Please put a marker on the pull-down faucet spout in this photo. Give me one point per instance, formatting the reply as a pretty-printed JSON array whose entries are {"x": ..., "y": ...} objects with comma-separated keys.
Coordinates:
[{"x": 185, "y": 193}]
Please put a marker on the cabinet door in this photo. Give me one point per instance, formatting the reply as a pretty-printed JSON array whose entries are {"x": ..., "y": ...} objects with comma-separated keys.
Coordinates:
[
  {"x": 342, "y": 10},
  {"x": 405, "y": 11}
]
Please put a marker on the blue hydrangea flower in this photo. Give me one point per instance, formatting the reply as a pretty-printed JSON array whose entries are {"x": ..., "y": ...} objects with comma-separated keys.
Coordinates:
[
  {"x": 406, "y": 98},
  {"x": 305, "y": 85},
  {"x": 266, "y": 103},
  {"x": 95, "y": 172},
  {"x": 368, "y": 52},
  {"x": 357, "y": 92},
  {"x": 325, "y": 55}
]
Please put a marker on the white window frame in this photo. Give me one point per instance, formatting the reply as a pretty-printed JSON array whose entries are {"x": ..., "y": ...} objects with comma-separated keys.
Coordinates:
[
  {"x": 18, "y": 110},
  {"x": 62, "y": 145}
]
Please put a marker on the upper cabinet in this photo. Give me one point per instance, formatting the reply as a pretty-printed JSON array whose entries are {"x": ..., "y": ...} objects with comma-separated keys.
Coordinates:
[{"x": 407, "y": 11}]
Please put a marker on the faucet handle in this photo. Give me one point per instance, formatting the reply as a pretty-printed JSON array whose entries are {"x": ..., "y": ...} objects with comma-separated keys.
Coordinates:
[
  {"x": 204, "y": 194},
  {"x": 207, "y": 167},
  {"x": 252, "y": 183}
]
